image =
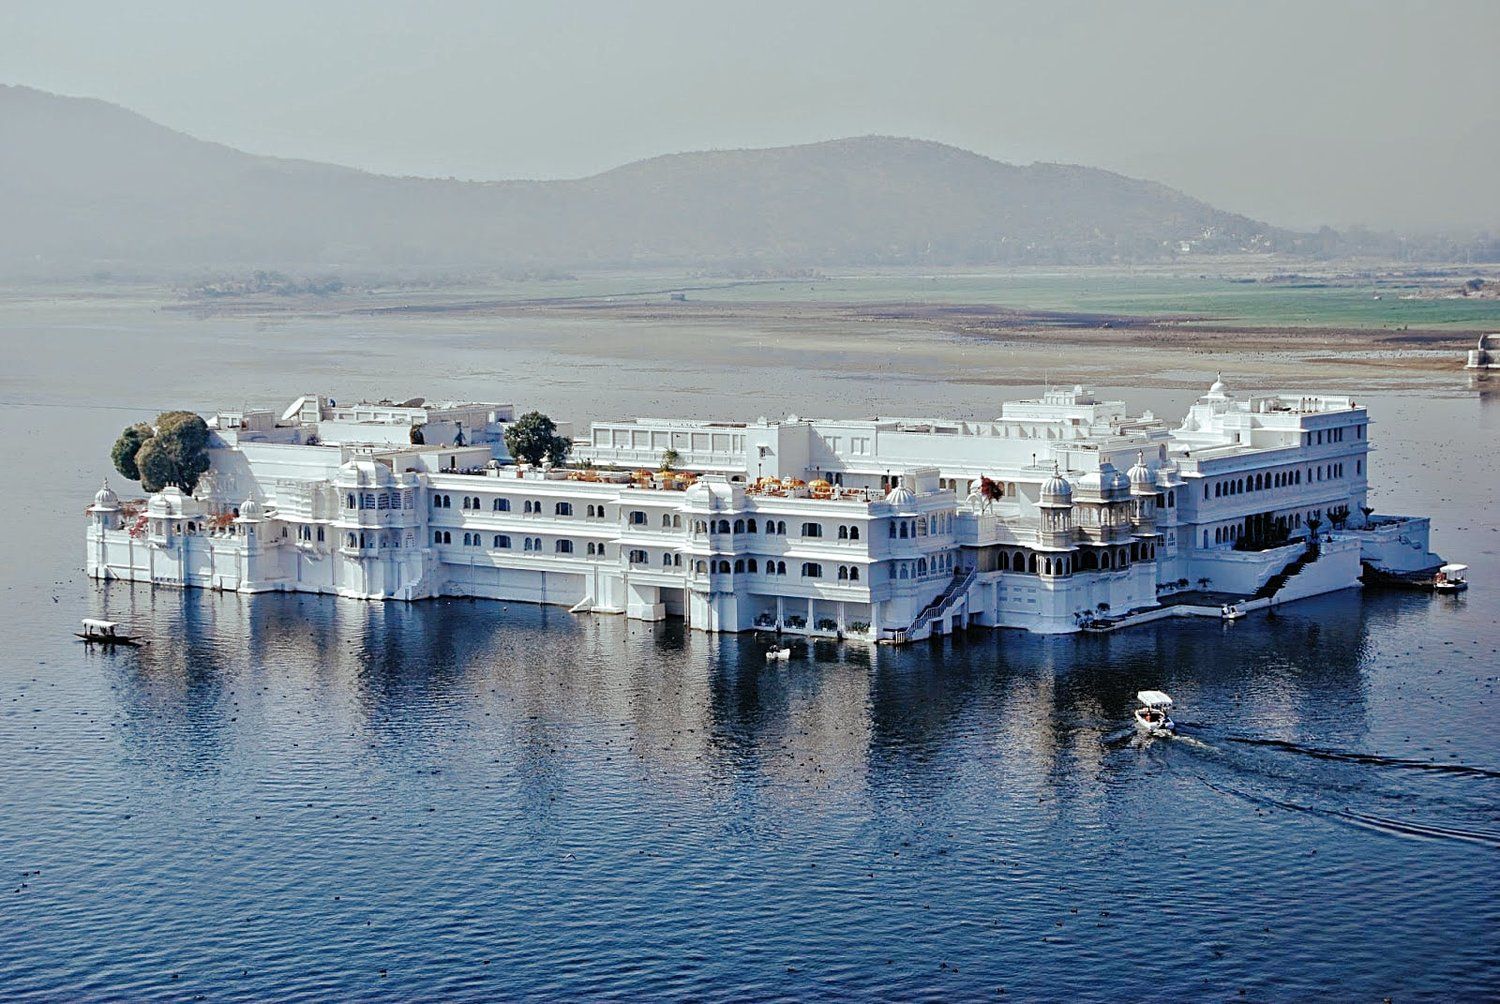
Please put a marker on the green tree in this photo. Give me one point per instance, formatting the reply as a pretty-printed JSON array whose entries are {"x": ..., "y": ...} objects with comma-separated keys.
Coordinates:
[
  {"x": 175, "y": 452},
  {"x": 669, "y": 458},
  {"x": 183, "y": 436},
  {"x": 156, "y": 466},
  {"x": 416, "y": 436},
  {"x": 534, "y": 436},
  {"x": 126, "y": 447}
]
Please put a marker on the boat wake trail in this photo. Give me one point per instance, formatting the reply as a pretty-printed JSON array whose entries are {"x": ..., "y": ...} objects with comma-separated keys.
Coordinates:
[
  {"x": 1350, "y": 756},
  {"x": 1383, "y": 824}
]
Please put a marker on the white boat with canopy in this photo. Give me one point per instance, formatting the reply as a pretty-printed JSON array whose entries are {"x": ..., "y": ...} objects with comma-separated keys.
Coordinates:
[
  {"x": 99, "y": 632},
  {"x": 1151, "y": 717},
  {"x": 1450, "y": 579}
]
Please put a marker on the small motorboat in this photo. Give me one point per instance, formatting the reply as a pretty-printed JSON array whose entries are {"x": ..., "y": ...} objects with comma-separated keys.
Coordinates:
[
  {"x": 778, "y": 655},
  {"x": 1450, "y": 579},
  {"x": 1151, "y": 717},
  {"x": 1231, "y": 611},
  {"x": 97, "y": 632}
]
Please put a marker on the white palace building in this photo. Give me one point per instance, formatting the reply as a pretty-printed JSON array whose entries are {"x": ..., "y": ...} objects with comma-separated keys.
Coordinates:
[{"x": 1061, "y": 512}]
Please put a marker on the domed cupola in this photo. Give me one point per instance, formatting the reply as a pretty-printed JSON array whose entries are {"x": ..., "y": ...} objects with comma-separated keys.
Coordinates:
[
  {"x": 900, "y": 497},
  {"x": 251, "y": 511},
  {"x": 1218, "y": 391},
  {"x": 1056, "y": 490},
  {"x": 105, "y": 498},
  {"x": 1140, "y": 476}
]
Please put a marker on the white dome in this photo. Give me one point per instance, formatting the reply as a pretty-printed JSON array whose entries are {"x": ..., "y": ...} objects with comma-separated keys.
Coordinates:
[
  {"x": 899, "y": 497},
  {"x": 105, "y": 498},
  {"x": 1140, "y": 474},
  {"x": 251, "y": 509},
  {"x": 1056, "y": 488}
]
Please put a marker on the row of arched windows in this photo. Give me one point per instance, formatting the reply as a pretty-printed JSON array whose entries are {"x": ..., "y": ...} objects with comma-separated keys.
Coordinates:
[
  {"x": 473, "y": 503},
  {"x": 502, "y": 542},
  {"x": 938, "y": 522},
  {"x": 378, "y": 500}
]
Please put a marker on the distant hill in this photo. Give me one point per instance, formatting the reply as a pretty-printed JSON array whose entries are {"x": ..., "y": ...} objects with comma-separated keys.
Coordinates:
[{"x": 86, "y": 184}]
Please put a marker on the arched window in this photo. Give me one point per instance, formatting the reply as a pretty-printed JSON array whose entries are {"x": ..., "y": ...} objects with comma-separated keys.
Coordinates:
[
  {"x": 843, "y": 533},
  {"x": 752, "y": 565},
  {"x": 723, "y": 565},
  {"x": 526, "y": 546},
  {"x": 903, "y": 528},
  {"x": 739, "y": 526},
  {"x": 892, "y": 527},
  {"x": 843, "y": 573},
  {"x": 901, "y": 569},
  {"x": 853, "y": 573},
  {"x": 666, "y": 520},
  {"x": 739, "y": 564},
  {"x": 750, "y": 525},
  {"x": 854, "y": 533},
  {"x": 780, "y": 568},
  {"x": 921, "y": 567},
  {"x": 676, "y": 558},
  {"x": 666, "y": 560},
  {"x": 350, "y": 502}
]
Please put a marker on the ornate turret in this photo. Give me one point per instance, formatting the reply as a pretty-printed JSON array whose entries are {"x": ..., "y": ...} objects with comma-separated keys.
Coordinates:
[
  {"x": 106, "y": 508},
  {"x": 1055, "y": 528},
  {"x": 1143, "y": 497}
]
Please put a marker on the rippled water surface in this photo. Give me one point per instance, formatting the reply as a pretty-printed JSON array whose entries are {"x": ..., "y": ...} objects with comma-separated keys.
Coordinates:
[{"x": 300, "y": 797}]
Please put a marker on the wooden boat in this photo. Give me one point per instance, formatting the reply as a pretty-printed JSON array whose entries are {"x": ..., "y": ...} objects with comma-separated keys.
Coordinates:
[
  {"x": 97, "y": 632},
  {"x": 1151, "y": 717}
]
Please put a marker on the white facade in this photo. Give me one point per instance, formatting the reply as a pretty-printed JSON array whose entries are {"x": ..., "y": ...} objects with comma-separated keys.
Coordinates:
[{"x": 1062, "y": 510}]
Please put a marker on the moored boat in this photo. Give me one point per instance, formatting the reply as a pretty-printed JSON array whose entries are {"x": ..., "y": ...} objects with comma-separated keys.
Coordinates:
[{"x": 1450, "y": 579}]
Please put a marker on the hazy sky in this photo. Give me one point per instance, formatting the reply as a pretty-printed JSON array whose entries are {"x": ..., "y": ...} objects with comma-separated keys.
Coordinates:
[{"x": 1297, "y": 113}]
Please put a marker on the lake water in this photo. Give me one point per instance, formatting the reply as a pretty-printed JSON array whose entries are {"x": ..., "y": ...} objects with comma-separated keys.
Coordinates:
[{"x": 294, "y": 797}]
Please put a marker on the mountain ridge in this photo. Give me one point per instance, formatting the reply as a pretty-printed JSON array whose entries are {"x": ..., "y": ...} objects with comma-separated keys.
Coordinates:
[{"x": 92, "y": 184}]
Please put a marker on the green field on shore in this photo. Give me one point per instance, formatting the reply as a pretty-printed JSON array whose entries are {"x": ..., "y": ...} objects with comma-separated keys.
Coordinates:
[{"x": 1342, "y": 303}]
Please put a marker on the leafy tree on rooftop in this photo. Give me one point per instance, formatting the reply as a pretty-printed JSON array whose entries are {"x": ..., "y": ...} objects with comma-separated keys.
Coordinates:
[
  {"x": 533, "y": 437},
  {"x": 174, "y": 452}
]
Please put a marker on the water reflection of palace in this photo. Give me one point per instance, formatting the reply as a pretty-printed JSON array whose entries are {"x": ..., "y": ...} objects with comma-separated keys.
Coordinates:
[{"x": 422, "y": 683}]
